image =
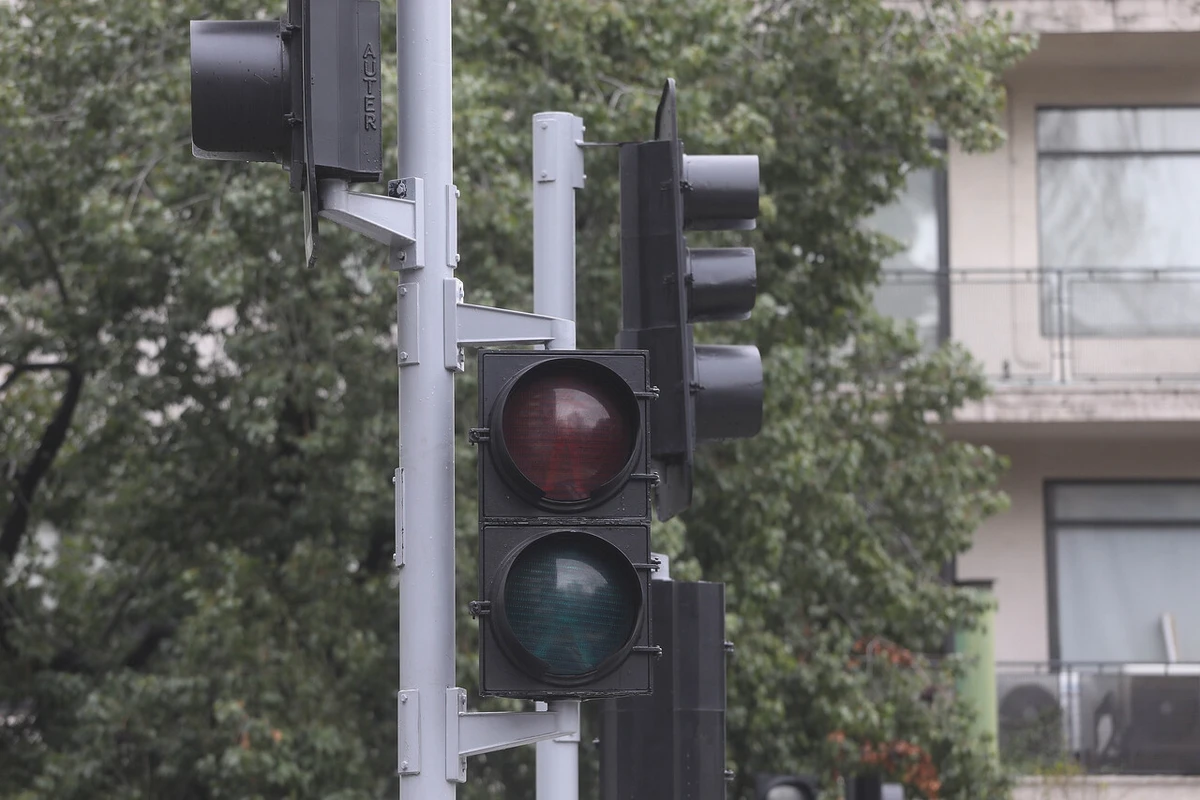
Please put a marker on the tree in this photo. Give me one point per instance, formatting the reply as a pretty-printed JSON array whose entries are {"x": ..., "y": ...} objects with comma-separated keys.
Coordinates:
[{"x": 198, "y": 433}]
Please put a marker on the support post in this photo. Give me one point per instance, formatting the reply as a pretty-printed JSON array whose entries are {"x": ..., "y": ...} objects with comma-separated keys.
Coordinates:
[
  {"x": 977, "y": 685},
  {"x": 557, "y": 173},
  {"x": 425, "y": 480}
]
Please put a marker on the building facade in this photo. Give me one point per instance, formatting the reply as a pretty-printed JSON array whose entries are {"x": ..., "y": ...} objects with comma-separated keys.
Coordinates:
[{"x": 1068, "y": 262}]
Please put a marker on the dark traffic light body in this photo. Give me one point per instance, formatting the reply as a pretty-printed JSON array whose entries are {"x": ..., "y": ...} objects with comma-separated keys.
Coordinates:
[
  {"x": 303, "y": 91},
  {"x": 672, "y": 744},
  {"x": 786, "y": 787},
  {"x": 707, "y": 392},
  {"x": 564, "y": 524}
]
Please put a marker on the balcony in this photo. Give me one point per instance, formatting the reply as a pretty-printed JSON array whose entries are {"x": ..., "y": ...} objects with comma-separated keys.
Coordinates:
[
  {"x": 1057, "y": 718},
  {"x": 1055, "y": 327},
  {"x": 1079, "y": 16}
]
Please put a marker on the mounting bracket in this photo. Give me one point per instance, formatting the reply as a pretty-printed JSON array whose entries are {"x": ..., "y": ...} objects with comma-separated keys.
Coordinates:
[
  {"x": 395, "y": 221},
  {"x": 473, "y": 326},
  {"x": 479, "y": 732}
]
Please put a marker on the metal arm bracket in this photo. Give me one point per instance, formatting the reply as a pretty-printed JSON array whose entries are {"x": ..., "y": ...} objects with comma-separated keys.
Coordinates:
[
  {"x": 473, "y": 326},
  {"x": 476, "y": 733},
  {"x": 398, "y": 222}
]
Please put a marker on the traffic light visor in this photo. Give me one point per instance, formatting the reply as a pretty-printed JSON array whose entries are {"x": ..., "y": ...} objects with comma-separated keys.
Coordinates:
[
  {"x": 568, "y": 431},
  {"x": 573, "y": 602},
  {"x": 241, "y": 91}
]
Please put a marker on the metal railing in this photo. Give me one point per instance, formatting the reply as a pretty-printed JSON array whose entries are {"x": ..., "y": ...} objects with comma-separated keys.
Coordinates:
[
  {"x": 1127, "y": 718},
  {"x": 1059, "y": 326}
]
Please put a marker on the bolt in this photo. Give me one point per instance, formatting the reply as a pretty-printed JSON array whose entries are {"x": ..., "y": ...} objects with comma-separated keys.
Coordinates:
[
  {"x": 545, "y": 125},
  {"x": 403, "y": 256},
  {"x": 403, "y": 765},
  {"x": 544, "y": 173},
  {"x": 403, "y": 291},
  {"x": 457, "y": 258},
  {"x": 403, "y": 356},
  {"x": 403, "y": 698}
]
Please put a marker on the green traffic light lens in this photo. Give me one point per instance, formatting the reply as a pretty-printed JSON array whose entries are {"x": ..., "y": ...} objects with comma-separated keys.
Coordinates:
[{"x": 573, "y": 601}]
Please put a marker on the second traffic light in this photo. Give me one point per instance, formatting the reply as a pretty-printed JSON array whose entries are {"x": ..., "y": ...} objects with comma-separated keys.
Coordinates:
[
  {"x": 303, "y": 90},
  {"x": 564, "y": 524},
  {"x": 707, "y": 392}
]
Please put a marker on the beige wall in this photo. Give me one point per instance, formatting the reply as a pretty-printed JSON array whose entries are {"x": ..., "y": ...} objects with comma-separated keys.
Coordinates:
[{"x": 1010, "y": 548}]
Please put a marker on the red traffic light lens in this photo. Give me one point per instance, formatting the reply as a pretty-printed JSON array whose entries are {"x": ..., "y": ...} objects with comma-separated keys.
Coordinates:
[{"x": 570, "y": 428}]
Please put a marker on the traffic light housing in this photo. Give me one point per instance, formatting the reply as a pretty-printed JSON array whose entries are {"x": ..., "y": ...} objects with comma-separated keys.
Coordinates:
[
  {"x": 303, "y": 91},
  {"x": 786, "y": 787},
  {"x": 672, "y": 744},
  {"x": 707, "y": 392},
  {"x": 564, "y": 524}
]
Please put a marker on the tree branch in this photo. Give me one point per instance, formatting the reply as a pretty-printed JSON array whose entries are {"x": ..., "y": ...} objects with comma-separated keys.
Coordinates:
[
  {"x": 51, "y": 262},
  {"x": 31, "y": 477},
  {"x": 21, "y": 368},
  {"x": 152, "y": 636}
]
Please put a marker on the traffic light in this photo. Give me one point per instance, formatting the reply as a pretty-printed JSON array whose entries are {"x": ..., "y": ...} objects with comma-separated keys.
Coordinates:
[
  {"x": 807, "y": 787},
  {"x": 707, "y": 392},
  {"x": 564, "y": 524},
  {"x": 872, "y": 787},
  {"x": 303, "y": 91},
  {"x": 672, "y": 744},
  {"x": 786, "y": 787}
]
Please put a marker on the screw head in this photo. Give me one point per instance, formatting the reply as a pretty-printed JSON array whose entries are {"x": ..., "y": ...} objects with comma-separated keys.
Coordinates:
[{"x": 403, "y": 356}]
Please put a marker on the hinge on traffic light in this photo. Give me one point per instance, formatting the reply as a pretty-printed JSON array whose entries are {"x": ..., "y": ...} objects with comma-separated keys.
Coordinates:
[
  {"x": 479, "y": 608},
  {"x": 477, "y": 435},
  {"x": 653, "y": 650},
  {"x": 649, "y": 394},
  {"x": 651, "y": 477}
]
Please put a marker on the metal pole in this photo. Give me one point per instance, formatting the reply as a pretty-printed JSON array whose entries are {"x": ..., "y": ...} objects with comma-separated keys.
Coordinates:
[
  {"x": 557, "y": 173},
  {"x": 425, "y": 486}
]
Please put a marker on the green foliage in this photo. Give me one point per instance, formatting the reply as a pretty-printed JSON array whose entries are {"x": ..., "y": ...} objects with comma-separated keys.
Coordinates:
[{"x": 197, "y": 433}]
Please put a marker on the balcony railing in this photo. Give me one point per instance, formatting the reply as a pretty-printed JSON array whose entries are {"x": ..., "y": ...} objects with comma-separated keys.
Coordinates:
[
  {"x": 1059, "y": 326},
  {"x": 1130, "y": 718}
]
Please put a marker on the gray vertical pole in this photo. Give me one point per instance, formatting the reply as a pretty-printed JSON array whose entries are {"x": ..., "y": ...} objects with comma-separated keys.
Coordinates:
[
  {"x": 557, "y": 173},
  {"x": 425, "y": 507}
]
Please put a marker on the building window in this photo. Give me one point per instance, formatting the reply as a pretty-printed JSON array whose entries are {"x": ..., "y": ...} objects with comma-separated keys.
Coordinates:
[
  {"x": 1118, "y": 190},
  {"x": 914, "y": 284},
  {"x": 1122, "y": 569}
]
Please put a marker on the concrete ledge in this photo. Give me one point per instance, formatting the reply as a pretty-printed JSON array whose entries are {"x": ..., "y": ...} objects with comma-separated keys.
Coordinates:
[
  {"x": 1099, "y": 403},
  {"x": 1108, "y": 787}
]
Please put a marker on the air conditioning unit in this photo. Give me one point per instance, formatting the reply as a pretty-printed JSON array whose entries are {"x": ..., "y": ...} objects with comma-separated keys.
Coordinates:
[
  {"x": 1161, "y": 719},
  {"x": 1032, "y": 720}
]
